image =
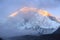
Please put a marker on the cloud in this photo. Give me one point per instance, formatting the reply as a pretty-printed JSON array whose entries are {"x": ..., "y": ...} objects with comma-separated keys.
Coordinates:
[
  {"x": 32, "y": 3},
  {"x": 44, "y": 3}
]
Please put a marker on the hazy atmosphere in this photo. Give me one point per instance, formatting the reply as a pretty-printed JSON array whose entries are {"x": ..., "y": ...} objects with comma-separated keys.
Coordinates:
[
  {"x": 9, "y": 6},
  {"x": 11, "y": 26}
]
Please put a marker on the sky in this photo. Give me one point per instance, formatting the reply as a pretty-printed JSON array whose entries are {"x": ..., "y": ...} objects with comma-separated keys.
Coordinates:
[{"x": 9, "y": 6}]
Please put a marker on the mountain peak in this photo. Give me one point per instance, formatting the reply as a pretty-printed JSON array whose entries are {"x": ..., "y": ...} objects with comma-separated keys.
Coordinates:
[
  {"x": 34, "y": 16},
  {"x": 31, "y": 21}
]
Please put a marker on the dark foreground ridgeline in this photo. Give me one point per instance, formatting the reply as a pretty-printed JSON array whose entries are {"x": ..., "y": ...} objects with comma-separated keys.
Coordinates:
[
  {"x": 42, "y": 37},
  {"x": 54, "y": 36}
]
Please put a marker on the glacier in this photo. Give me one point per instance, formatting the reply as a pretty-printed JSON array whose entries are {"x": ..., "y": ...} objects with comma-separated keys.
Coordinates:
[{"x": 30, "y": 23}]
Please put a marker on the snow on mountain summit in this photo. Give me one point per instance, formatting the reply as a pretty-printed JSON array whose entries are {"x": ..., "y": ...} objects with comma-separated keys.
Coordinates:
[
  {"x": 29, "y": 23},
  {"x": 34, "y": 21}
]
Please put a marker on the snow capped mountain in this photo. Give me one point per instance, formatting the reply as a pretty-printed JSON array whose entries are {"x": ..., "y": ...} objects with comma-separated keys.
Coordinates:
[{"x": 30, "y": 23}]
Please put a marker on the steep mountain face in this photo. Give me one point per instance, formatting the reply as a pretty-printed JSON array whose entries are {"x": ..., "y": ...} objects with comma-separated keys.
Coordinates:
[{"x": 29, "y": 23}]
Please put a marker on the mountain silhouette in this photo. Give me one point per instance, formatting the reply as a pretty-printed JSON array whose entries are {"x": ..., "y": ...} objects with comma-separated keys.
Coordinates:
[{"x": 30, "y": 23}]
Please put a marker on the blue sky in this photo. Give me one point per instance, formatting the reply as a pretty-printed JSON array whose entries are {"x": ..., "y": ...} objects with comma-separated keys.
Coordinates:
[{"x": 9, "y": 6}]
